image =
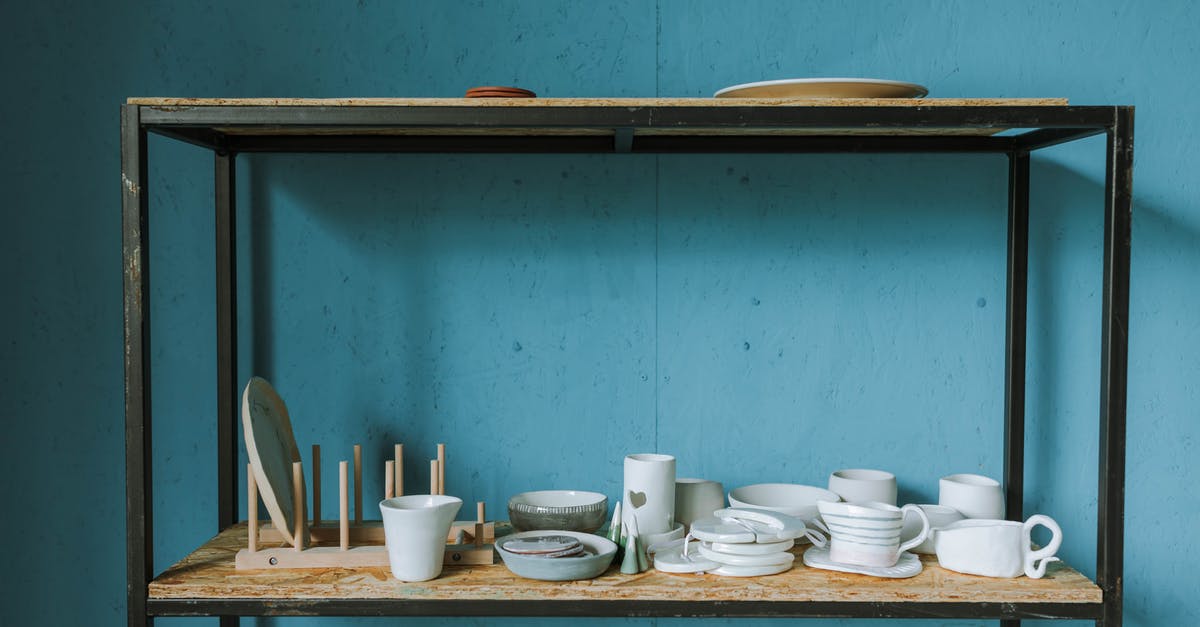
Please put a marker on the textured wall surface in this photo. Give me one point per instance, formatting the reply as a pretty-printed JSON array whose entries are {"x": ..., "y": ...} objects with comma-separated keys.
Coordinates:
[{"x": 764, "y": 318}]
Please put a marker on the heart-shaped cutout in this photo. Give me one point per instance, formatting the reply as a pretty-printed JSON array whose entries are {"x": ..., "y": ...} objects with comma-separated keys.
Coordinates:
[{"x": 637, "y": 499}]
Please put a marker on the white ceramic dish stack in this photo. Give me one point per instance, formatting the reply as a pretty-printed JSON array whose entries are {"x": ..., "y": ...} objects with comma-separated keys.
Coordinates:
[{"x": 736, "y": 542}]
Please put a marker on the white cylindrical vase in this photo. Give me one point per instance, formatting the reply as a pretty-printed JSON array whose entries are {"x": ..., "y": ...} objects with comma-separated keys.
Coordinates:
[{"x": 650, "y": 491}]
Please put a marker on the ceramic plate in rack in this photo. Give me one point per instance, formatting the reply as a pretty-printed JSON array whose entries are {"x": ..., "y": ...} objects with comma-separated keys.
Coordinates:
[
  {"x": 908, "y": 565},
  {"x": 271, "y": 448},
  {"x": 824, "y": 88}
]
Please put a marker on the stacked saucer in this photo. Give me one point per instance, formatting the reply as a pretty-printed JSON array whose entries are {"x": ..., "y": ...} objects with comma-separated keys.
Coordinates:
[
  {"x": 736, "y": 542},
  {"x": 547, "y": 546}
]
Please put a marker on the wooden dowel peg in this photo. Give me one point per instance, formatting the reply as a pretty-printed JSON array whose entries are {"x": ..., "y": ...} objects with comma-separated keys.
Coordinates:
[
  {"x": 480, "y": 519},
  {"x": 441, "y": 449},
  {"x": 399, "y": 458},
  {"x": 298, "y": 504},
  {"x": 316, "y": 486},
  {"x": 344, "y": 504},
  {"x": 358, "y": 484},
  {"x": 389, "y": 479},
  {"x": 251, "y": 509},
  {"x": 433, "y": 476}
]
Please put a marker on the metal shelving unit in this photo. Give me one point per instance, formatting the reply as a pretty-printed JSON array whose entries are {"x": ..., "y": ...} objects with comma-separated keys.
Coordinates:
[{"x": 230, "y": 127}]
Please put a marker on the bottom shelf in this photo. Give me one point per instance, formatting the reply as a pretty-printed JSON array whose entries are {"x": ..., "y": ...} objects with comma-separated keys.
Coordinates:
[{"x": 206, "y": 583}]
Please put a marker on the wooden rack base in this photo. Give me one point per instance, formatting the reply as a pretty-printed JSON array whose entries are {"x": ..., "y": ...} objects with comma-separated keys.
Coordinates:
[
  {"x": 371, "y": 532},
  {"x": 370, "y": 556}
]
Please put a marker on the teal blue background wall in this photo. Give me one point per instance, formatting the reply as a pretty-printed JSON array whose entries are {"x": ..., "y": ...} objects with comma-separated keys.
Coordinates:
[{"x": 762, "y": 318}]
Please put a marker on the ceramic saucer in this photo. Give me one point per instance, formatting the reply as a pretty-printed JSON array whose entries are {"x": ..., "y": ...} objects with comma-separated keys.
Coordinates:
[
  {"x": 908, "y": 565},
  {"x": 674, "y": 561},
  {"x": 730, "y": 559},
  {"x": 758, "y": 548},
  {"x": 547, "y": 545},
  {"x": 751, "y": 571}
]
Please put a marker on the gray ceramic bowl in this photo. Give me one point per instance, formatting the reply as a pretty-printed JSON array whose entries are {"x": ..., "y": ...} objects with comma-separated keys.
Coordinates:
[
  {"x": 558, "y": 509},
  {"x": 599, "y": 553}
]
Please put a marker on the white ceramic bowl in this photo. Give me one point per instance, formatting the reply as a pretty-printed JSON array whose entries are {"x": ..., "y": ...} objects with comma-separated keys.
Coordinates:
[
  {"x": 786, "y": 498},
  {"x": 599, "y": 553},
  {"x": 571, "y": 510}
]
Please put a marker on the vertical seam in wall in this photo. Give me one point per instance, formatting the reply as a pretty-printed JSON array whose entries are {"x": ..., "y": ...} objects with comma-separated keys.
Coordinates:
[{"x": 657, "y": 374}]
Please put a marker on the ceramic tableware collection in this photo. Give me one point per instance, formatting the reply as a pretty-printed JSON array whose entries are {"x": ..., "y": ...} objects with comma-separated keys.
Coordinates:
[{"x": 756, "y": 536}]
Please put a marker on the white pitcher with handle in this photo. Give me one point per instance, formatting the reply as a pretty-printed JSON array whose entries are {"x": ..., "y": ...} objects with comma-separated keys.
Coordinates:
[{"x": 997, "y": 548}]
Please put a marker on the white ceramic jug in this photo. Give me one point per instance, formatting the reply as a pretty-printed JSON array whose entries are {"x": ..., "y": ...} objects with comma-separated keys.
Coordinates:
[
  {"x": 415, "y": 529},
  {"x": 997, "y": 548}
]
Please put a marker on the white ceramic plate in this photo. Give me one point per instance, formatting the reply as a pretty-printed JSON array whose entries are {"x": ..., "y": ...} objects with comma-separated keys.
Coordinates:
[
  {"x": 751, "y": 571},
  {"x": 732, "y": 559},
  {"x": 764, "y": 548},
  {"x": 824, "y": 88},
  {"x": 908, "y": 565}
]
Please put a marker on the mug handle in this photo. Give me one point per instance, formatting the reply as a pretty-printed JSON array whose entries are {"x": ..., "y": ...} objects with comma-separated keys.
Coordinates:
[
  {"x": 1036, "y": 561},
  {"x": 924, "y": 528}
]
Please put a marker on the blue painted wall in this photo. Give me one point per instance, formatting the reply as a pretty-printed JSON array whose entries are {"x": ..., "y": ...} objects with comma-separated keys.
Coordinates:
[{"x": 763, "y": 318}]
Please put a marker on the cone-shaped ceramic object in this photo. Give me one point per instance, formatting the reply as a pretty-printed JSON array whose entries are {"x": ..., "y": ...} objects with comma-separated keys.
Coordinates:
[
  {"x": 639, "y": 547},
  {"x": 614, "y": 528},
  {"x": 629, "y": 564}
]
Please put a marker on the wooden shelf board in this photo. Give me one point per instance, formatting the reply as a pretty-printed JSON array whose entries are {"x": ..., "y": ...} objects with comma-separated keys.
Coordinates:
[
  {"x": 597, "y": 102},
  {"x": 208, "y": 574}
]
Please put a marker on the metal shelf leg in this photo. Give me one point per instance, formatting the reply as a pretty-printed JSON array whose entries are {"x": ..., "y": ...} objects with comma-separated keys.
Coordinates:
[
  {"x": 226, "y": 258},
  {"x": 1014, "y": 338},
  {"x": 139, "y": 527},
  {"x": 1114, "y": 355}
]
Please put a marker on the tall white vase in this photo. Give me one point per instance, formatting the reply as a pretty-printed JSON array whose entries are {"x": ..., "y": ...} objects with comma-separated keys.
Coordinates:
[{"x": 650, "y": 492}]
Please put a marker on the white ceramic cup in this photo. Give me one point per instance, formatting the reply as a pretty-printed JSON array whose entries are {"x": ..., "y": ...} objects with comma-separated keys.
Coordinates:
[
  {"x": 997, "y": 548},
  {"x": 650, "y": 492},
  {"x": 975, "y": 496},
  {"x": 868, "y": 534},
  {"x": 939, "y": 516},
  {"x": 696, "y": 499},
  {"x": 415, "y": 529},
  {"x": 858, "y": 485}
]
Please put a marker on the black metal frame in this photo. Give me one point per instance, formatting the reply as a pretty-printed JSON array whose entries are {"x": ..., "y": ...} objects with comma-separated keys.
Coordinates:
[{"x": 228, "y": 130}]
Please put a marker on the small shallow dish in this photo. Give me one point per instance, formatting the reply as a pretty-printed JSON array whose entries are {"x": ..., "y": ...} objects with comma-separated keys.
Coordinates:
[
  {"x": 786, "y": 498},
  {"x": 572, "y": 510},
  {"x": 597, "y": 555},
  {"x": 824, "y": 88}
]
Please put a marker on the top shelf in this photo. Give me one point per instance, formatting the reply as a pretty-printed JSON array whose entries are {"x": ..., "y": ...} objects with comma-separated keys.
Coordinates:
[{"x": 652, "y": 125}]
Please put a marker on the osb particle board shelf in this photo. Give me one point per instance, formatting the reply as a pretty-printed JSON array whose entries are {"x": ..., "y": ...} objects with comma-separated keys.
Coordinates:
[
  {"x": 598, "y": 102},
  {"x": 656, "y": 125},
  {"x": 209, "y": 574}
]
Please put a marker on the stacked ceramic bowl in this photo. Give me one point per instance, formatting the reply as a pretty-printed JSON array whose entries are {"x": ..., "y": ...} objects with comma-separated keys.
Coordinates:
[{"x": 736, "y": 542}]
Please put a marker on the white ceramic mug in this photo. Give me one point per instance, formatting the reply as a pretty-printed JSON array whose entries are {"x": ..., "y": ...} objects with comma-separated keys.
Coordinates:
[
  {"x": 997, "y": 548},
  {"x": 858, "y": 485},
  {"x": 868, "y": 534},
  {"x": 939, "y": 516},
  {"x": 415, "y": 529},
  {"x": 696, "y": 499},
  {"x": 650, "y": 492},
  {"x": 975, "y": 496}
]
